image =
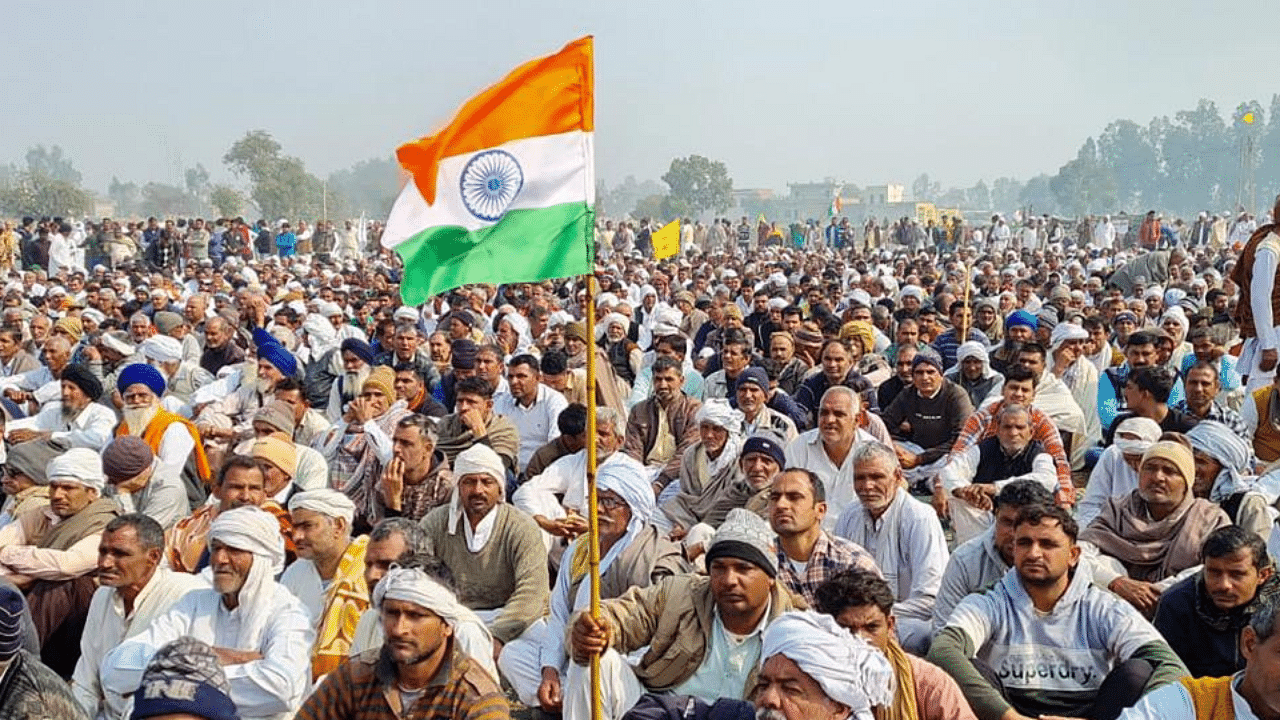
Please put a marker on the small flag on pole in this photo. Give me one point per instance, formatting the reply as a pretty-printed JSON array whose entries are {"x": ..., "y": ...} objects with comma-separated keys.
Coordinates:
[
  {"x": 504, "y": 193},
  {"x": 666, "y": 242}
]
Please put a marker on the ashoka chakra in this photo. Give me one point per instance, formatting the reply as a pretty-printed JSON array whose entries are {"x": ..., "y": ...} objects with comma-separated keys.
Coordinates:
[{"x": 490, "y": 182}]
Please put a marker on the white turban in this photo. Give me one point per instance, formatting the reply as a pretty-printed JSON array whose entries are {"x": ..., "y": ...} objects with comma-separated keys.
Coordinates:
[
  {"x": 162, "y": 348},
  {"x": 719, "y": 412},
  {"x": 1063, "y": 332},
  {"x": 849, "y": 670},
  {"x": 78, "y": 465},
  {"x": 329, "y": 308},
  {"x": 326, "y": 502},
  {"x": 415, "y": 586},
  {"x": 615, "y": 317},
  {"x": 319, "y": 329},
  {"x": 1145, "y": 430},
  {"x": 94, "y": 314},
  {"x": 257, "y": 531},
  {"x": 479, "y": 459}
]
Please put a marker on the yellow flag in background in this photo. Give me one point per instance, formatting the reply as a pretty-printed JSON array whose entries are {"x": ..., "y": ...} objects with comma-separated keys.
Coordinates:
[{"x": 666, "y": 242}]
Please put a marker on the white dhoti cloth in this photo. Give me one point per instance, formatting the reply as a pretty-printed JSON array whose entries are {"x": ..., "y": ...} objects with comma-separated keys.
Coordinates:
[
  {"x": 521, "y": 663},
  {"x": 1250, "y": 356},
  {"x": 620, "y": 689}
]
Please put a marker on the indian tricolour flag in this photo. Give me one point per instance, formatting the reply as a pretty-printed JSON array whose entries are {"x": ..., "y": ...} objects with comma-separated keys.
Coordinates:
[{"x": 505, "y": 192}]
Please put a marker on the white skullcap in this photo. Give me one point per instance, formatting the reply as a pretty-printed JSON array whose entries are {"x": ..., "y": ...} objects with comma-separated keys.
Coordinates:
[
  {"x": 329, "y": 309},
  {"x": 415, "y": 586},
  {"x": 614, "y": 317},
  {"x": 777, "y": 303},
  {"x": 118, "y": 343},
  {"x": 326, "y": 502},
  {"x": 666, "y": 321},
  {"x": 405, "y": 312},
  {"x": 162, "y": 348},
  {"x": 77, "y": 465},
  {"x": 94, "y": 314},
  {"x": 251, "y": 529},
  {"x": 1146, "y": 430},
  {"x": 607, "y": 300},
  {"x": 849, "y": 670},
  {"x": 719, "y": 412},
  {"x": 860, "y": 296}
]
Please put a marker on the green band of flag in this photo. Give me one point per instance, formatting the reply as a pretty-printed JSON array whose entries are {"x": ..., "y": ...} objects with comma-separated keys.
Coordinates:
[{"x": 527, "y": 246}]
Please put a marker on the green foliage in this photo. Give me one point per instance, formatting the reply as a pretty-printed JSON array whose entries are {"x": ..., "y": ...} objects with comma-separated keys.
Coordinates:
[
  {"x": 38, "y": 194},
  {"x": 51, "y": 162},
  {"x": 1084, "y": 185},
  {"x": 652, "y": 207},
  {"x": 226, "y": 200},
  {"x": 281, "y": 187},
  {"x": 697, "y": 185},
  {"x": 163, "y": 200}
]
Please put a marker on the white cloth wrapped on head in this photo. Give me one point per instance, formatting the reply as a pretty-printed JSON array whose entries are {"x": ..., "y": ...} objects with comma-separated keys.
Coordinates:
[
  {"x": 77, "y": 465},
  {"x": 479, "y": 459},
  {"x": 1144, "y": 433},
  {"x": 1064, "y": 332},
  {"x": 415, "y": 586},
  {"x": 254, "y": 530},
  {"x": 162, "y": 348},
  {"x": 849, "y": 670},
  {"x": 326, "y": 502}
]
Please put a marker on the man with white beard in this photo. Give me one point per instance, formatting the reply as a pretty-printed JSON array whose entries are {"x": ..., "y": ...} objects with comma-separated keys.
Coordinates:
[
  {"x": 357, "y": 362},
  {"x": 172, "y": 437},
  {"x": 229, "y": 421},
  {"x": 76, "y": 418}
]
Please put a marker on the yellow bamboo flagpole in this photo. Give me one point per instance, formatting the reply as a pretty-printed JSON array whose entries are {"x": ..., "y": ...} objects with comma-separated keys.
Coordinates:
[
  {"x": 962, "y": 334},
  {"x": 593, "y": 520}
]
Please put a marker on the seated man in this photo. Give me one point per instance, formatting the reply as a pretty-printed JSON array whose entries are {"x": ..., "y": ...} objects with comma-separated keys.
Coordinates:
[
  {"x": 474, "y": 422},
  {"x": 862, "y": 603},
  {"x": 418, "y": 479},
  {"x": 75, "y": 418},
  {"x": 556, "y": 499},
  {"x": 974, "y": 475},
  {"x": 130, "y": 468},
  {"x": 51, "y": 553},
  {"x": 807, "y": 554},
  {"x": 359, "y": 444},
  {"x": 979, "y": 563},
  {"x": 973, "y": 373},
  {"x": 420, "y": 671},
  {"x": 25, "y": 484},
  {"x": 709, "y": 469},
  {"x": 493, "y": 550},
  {"x": 529, "y": 405},
  {"x": 1146, "y": 394},
  {"x": 926, "y": 419},
  {"x": 277, "y": 418},
  {"x": 902, "y": 534},
  {"x": 1101, "y": 657},
  {"x": 328, "y": 576},
  {"x": 633, "y": 554},
  {"x": 240, "y": 482},
  {"x": 1019, "y": 389},
  {"x": 1116, "y": 473},
  {"x": 1154, "y": 533},
  {"x": 172, "y": 437},
  {"x": 1224, "y": 476},
  {"x": 757, "y": 417},
  {"x": 1203, "y": 386},
  {"x": 703, "y": 633},
  {"x": 258, "y": 629},
  {"x": 1202, "y": 616},
  {"x": 572, "y": 424},
  {"x": 661, "y": 428},
  {"x": 31, "y": 690},
  {"x": 1261, "y": 422},
  {"x": 1247, "y": 694},
  {"x": 134, "y": 591},
  {"x": 811, "y": 668},
  {"x": 827, "y": 450},
  {"x": 399, "y": 541}
]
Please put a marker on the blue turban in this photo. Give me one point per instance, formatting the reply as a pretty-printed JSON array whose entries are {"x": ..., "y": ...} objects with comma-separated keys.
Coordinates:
[
  {"x": 141, "y": 374},
  {"x": 262, "y": 337},
  {"x": 276, "y": 354},
  {"x": 359, "y": 348},
  {"x": 1021, "y": 317}
]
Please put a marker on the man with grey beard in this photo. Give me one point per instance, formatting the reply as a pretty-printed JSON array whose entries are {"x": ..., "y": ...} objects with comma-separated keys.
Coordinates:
[{"x": 75, "y": 418}]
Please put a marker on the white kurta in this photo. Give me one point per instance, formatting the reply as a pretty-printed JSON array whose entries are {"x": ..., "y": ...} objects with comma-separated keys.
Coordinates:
[
  {"x": 808, "y": 452},
  {"x": 92, "y": 428},
  {"x": 107, "y": 626},
  {"x": 271, "y": 688}
]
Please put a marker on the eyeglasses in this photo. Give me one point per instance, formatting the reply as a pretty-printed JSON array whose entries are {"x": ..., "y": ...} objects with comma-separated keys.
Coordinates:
[{"x": 610, "y": 503}]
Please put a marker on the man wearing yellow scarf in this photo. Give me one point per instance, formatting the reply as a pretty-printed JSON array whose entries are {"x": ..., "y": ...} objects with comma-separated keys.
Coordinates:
[{"x": 862, "y": 603}]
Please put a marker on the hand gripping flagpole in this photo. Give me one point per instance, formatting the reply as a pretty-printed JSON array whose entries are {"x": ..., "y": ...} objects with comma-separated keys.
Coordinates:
[{"x": 593, "y": 520}]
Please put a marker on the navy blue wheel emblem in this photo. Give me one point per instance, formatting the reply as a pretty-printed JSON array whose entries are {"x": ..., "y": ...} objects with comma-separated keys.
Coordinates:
[{"x": 490, "y": 182}]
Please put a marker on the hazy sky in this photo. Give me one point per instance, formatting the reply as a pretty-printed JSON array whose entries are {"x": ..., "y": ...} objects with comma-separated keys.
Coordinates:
[{"x": 868, "y": 92}]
